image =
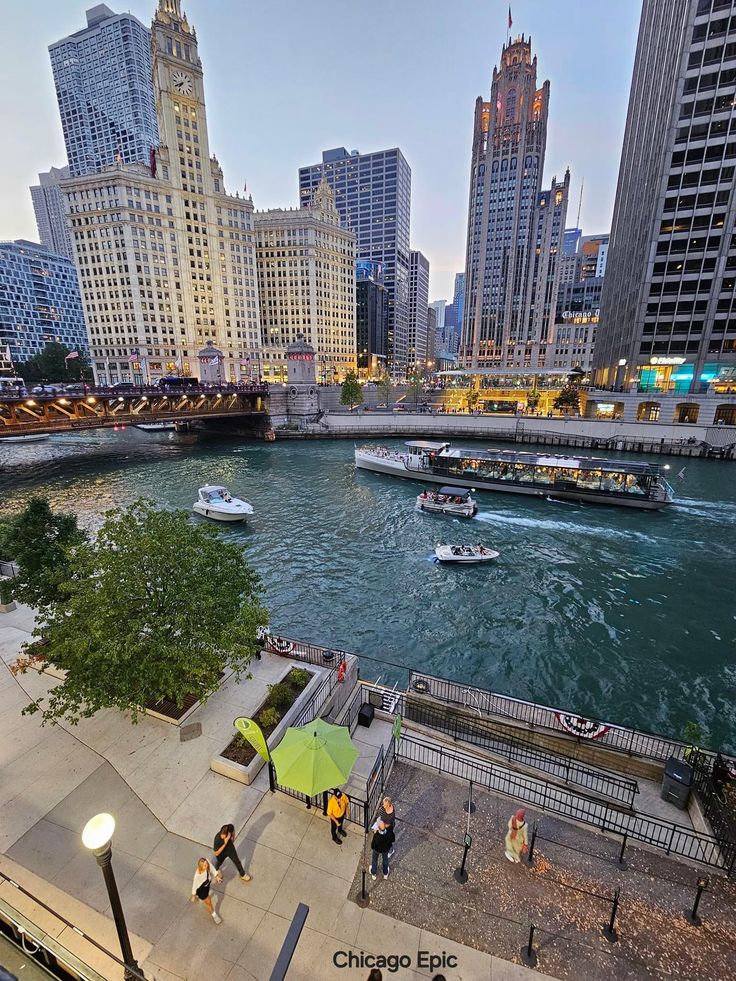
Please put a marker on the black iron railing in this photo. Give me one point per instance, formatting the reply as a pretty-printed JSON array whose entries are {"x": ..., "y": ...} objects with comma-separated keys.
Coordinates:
[
  {"x": 519, "y": 749},
  {"x": 665, "y": 835},
  {"x": 718, "y": 807},
  {"x": 634, "y": 742}
]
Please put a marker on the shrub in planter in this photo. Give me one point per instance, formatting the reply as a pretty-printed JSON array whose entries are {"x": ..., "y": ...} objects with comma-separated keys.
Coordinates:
[
  {"x": 280, "y": 696},
  {"x": 300, "y": 677},
  {"x": 270, "y": 718}
]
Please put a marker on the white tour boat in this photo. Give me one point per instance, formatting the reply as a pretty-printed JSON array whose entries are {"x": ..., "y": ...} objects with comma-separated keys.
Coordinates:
[
  {"x": 217, "y": 503},
  {"x": 566, "y": 478},
  {"x": 448, "y": 500},
  {"x": 154, "y": 427},
  {"x": 465, "y": 553}
]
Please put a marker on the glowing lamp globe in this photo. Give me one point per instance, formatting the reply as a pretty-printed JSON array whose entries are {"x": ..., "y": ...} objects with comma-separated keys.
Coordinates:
[{"x": 98, "y": 831}]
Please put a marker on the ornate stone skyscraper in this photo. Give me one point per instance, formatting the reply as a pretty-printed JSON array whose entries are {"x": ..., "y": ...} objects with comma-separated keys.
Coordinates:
[
  {"x": 166, "y": 257},
  {"x": 514, "y": 230}
]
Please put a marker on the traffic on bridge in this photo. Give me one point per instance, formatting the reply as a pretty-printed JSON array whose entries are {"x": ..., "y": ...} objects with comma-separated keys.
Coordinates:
[{"x": 96, "y": 407}]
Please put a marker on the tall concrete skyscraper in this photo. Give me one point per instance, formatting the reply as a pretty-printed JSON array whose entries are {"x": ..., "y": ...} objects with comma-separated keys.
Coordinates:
[
  {"x": 49, "y": 208},
  {"x": 418, "y": 300},
  {"x": 514, "y": 229},
  {"x": 373, "y": 196},
  {"x": 668, "y": 308},
  {"x": 104, "y": 85}
]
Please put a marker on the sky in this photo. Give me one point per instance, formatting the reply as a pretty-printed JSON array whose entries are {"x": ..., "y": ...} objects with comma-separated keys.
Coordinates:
[{"x": 285, "y": 80}]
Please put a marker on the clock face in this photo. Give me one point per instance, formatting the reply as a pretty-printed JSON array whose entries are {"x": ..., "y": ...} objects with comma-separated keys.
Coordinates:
[{"x": 182, "y": 83}]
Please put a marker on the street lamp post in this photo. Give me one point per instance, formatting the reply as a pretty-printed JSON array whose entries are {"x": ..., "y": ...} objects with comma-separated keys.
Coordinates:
[{"x": 97, "y": 837}]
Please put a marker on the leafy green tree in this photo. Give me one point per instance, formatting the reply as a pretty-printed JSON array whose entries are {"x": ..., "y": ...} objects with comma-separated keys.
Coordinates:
[
  {"x": 533, "y": 399},
  {"x": 415, "y": 383},
  {"x": 472, "y": 398},
  {"x": 154, "y": 607},
  {"x": 39, "y": 542},
  {"x": 50, "y": 365},
  {"x": 569, "y": 398},
  {"x": 385, "y": 388},
  {"x": 352, "y": 390}
]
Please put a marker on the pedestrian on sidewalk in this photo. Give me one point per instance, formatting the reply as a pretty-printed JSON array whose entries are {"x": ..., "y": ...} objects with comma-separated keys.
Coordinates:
[
  {"x": 337, "y": 809},
  {"x": 387, "y": 814},
  {"x": 201, "y": 887},
  {"x": 381, "y": 844},
  {"x": 224, "y": 847},
  {"x": 516, "y": 843}
]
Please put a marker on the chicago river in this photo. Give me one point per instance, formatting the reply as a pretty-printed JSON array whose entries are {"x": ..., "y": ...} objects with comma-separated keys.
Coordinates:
[{"x": 621, "y": 615}]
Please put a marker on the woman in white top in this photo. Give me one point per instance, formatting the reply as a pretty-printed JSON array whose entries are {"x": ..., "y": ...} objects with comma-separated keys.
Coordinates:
[{"x": 203, "y": 876}]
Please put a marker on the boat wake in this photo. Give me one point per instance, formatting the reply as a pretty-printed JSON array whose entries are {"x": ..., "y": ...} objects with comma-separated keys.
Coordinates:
[{"x": 547, "y": 524}]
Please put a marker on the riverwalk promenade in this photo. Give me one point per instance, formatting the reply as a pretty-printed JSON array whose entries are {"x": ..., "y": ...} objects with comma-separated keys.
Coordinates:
[{"x": 168, "y": 804}]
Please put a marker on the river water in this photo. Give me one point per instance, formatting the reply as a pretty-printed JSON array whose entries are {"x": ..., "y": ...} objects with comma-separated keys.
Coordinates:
[{"x": 617, "y": 614}]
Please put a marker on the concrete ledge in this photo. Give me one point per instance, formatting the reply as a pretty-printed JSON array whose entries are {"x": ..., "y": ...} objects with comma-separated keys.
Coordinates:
[{"x": 246, "y": 774}]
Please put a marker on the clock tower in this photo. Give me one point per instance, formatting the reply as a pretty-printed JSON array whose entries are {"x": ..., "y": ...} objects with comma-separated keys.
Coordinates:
[{"x": 179, "y": 88}]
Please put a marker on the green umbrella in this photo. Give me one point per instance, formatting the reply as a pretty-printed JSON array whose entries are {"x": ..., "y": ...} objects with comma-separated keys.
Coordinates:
[{"x": 315, "y": 758}]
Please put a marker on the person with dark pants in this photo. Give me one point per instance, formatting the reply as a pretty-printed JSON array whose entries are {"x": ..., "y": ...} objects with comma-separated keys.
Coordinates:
[
  {"x": 383, "y": 839},
  {"x": 224, "y": 847},
  {"x": 337, "y": 809}
]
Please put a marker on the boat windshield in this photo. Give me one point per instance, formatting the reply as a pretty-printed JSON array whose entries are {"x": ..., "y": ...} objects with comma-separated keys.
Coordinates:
[{"x": 213, "y": 493}]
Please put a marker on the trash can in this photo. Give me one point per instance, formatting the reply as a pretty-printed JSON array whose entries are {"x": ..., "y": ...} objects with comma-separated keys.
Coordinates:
[
  {"x": 676, "y": 783},
  {"x": 365, "y": 715}
]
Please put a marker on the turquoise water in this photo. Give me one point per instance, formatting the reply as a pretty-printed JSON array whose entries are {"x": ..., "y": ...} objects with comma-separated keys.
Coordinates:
[{"x": 622, "y": 615}]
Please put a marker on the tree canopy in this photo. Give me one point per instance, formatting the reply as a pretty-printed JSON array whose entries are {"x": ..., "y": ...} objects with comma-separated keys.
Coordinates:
[
  {"x": 50, "y": 365},
  {"x": 352, "y": 390},
  {"x": 415, "y": 384},
  {"x": 569, "y": 398},
  {"x": 39, "y": 540},
  {"x": 154, "y": 607},
  {"x": 384, "y": 388}
]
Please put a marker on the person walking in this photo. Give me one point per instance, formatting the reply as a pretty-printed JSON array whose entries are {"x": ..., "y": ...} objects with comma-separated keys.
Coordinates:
[
  {"x": 224, "y": 847},
  {"x": 337, "y": 809},
  {"x": 201, "y": 887},
  {"x": 516, "y": 843},
  {"x": 387, "y": 814},
  {"x": 381, "y": 844}
]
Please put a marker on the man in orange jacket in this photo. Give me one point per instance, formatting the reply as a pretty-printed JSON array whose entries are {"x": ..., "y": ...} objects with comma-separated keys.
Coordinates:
[{"x": 337, "y": 808}]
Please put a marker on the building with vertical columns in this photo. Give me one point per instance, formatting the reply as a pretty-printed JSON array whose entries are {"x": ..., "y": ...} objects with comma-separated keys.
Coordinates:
[
  {"x": 103, "y": 79},
  {"x": 514, "y": 235},
  {"x": 668, "y": 307},
  {"x": 166, "y": 258},
  {"x": 373, "y": 196},
  {"x": 418, "y": 301},
  {"x": 306, "y": 280},
  {"x": 50, "y": 211}
]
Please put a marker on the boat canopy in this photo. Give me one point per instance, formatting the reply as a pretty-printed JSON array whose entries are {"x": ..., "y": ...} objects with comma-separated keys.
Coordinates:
[
  {"x": 210, "y": 491},
  {"x": 454, "y": 491},
  {"x": 550, "y": 460},
  {"x": 423, "y": 444}
]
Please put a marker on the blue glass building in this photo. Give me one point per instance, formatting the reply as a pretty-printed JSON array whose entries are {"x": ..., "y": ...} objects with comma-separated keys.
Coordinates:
[
  {"x": 104, "y": 86},
  {"x": 39, "y": 301}
]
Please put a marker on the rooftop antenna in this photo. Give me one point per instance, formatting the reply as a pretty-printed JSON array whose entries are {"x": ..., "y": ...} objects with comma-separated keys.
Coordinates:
[{"x": 580, "y": 203}]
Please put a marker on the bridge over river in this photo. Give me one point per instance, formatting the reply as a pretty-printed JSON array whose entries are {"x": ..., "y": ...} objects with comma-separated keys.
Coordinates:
[{"x": 96, "y": 408}]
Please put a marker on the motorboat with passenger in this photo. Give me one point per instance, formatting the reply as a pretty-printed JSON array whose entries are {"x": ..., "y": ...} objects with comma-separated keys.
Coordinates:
[
  {"x": 448, "y": 500},
  {"x": 465, "y": 553},
  {"x": 216, "y": 502},
  {"x": 593, "y": 480}
]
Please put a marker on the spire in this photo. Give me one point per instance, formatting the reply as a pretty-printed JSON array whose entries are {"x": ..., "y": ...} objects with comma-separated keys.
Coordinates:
[
  {"x": 324, "y": 198},
  {"x": 170, "y": 7}
]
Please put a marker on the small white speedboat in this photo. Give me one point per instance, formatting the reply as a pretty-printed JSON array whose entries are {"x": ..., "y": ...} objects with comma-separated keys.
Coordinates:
[
  {"x": 30, "y": 438},
  {"x": 154, "y": 427},
  {"x": 216, "y": 502},
  {"x": 448, "y": 500},
  {"x": 465, "y": 553}
]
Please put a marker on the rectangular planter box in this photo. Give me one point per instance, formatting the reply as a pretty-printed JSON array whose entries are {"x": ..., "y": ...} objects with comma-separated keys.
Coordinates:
[{"x": 246, "y": 774}]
